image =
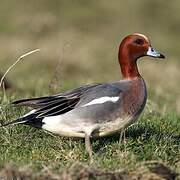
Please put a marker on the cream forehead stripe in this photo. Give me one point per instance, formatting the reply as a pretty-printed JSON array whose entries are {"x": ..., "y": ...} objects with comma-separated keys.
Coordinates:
[
  {"x": 102, "y": 100},
  {"x": 138, "y": 34}
]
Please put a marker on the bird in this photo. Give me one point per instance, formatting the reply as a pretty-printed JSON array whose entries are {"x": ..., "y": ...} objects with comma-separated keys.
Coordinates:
[{"x": 95, "y": 110}]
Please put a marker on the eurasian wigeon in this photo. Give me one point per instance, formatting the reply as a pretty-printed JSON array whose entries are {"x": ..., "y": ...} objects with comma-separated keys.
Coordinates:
[{"x": 95, "y": 110}]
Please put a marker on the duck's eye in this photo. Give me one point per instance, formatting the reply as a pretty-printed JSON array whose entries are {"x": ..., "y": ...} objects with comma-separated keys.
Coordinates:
[{"x": 139, "y": 41}]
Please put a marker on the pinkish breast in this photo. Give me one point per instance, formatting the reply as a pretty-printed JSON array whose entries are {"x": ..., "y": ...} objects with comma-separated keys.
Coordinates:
[{"x": 135, "y": 98}]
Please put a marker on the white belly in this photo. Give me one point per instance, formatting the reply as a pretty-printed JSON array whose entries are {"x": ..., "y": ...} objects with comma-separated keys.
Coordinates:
[{"x": 57, "y": 125}]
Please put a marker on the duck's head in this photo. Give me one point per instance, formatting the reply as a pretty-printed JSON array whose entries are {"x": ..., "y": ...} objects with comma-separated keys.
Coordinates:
[{"x": 131, "y": 48}]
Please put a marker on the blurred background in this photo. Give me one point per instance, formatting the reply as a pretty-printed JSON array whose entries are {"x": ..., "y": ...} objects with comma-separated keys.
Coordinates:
[{"x": 79, "y": 44}]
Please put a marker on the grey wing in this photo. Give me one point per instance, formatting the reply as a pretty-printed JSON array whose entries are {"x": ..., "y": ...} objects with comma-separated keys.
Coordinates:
[
  {"x": 56, "y": 104},
  {"x": 100, "y": 104}
]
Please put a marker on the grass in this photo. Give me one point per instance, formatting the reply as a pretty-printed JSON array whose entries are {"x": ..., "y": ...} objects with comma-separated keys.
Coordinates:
[
  {"x": 85, "y": 38},
  {"x": 154, "y": 137}
]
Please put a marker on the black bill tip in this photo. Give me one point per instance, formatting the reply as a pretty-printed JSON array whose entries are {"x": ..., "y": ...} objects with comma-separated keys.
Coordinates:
[{"x": 162, "y": 56}]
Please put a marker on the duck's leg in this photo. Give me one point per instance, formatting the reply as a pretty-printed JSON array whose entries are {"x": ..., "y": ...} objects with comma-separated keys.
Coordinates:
[
  {"x": 121, "y": 136},
  {"x": 88, "y": 134},
  {"x": 88, "y": 145}
]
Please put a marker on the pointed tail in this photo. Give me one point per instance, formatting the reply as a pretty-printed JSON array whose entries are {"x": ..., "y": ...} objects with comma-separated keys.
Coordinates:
[{"x": 30, "y": 120}]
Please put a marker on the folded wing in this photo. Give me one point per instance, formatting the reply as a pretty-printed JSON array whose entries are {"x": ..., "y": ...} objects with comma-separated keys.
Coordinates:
[{"x": 56, "y": 104}]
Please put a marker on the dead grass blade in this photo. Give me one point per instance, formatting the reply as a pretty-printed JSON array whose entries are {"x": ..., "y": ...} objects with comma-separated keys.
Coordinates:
[{"x": 19, "y": 59}]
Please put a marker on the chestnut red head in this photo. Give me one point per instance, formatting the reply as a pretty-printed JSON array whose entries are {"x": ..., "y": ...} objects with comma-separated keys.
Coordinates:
[{"x": 131, "y": 48}]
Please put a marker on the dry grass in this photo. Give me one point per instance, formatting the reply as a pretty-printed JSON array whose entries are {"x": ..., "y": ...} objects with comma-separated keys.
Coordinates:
[
  {"x": 146, "y": 171},
  {"x": 19, "y": 59}
]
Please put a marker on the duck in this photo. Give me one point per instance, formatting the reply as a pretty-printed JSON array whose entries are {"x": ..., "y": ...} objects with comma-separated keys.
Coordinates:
[{"x": 95, "y": 110}]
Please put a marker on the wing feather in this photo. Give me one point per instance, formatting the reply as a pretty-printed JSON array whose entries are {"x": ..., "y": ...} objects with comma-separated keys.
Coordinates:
[
  {"x": 56, "y": 104},
  {"x": 60, "y": 109}
]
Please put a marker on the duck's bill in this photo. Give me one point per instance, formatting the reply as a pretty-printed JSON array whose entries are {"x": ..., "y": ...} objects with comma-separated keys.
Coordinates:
[{"x": 153, "y": 53}]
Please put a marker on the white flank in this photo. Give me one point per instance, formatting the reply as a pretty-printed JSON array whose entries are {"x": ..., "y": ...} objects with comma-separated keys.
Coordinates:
[
  {"x": 54, "y": 124},
  {"x": 102, "y": 100},
  {"x": 52, "y": 120}
]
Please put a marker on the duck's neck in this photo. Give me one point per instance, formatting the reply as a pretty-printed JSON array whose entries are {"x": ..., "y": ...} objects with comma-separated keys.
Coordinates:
[{"x": 128, "y": 64}]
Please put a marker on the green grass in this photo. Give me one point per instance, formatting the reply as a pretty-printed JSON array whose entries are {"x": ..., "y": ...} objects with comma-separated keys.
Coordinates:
[
  {"x": 85, "y": 38},
  {"x": 154, "y": 137}
]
